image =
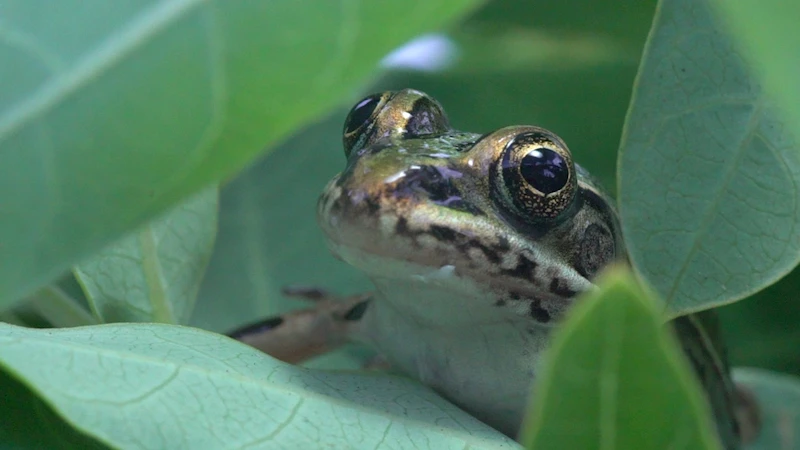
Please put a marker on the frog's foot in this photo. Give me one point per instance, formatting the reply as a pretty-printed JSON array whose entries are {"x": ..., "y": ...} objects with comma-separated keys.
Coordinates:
[
  {"x": 748, "y": 413},
  {"x": 300, "y": 335}
]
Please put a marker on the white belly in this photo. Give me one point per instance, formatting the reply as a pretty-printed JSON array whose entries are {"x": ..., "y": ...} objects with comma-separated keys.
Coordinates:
[{"x": 480, "y": 359}]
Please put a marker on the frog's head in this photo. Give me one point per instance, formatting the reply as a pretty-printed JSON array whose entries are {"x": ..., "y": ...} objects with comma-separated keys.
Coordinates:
[{"x": 506, "y": 214}]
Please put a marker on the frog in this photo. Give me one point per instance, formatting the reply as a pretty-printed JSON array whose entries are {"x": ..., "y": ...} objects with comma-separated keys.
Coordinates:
[{"x": 477, "y": 246}]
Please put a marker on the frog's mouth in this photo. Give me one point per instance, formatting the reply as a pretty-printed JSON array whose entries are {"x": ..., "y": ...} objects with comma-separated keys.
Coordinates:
[{"x": 384, "y": 234}]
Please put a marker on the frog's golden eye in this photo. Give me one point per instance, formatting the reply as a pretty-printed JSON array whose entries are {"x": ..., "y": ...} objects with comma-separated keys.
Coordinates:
[
  {"x": 404, "y": 114},
  {"x": 536, "y": 176},
  {"x": 361, "y": 120}
]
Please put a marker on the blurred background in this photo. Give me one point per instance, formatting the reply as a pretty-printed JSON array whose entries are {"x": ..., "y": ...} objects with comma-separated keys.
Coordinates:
[{"x": 568, "y": 66}]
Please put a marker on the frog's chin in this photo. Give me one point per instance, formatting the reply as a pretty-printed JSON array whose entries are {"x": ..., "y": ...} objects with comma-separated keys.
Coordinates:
[
  {"x": 377, "y": 265},
  {"x": 433, "y": 296},
  {"x": 430, "y": 292}
]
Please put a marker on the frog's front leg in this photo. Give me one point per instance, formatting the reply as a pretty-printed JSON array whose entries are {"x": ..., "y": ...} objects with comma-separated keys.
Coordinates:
[{"x": 300, "y": 335}]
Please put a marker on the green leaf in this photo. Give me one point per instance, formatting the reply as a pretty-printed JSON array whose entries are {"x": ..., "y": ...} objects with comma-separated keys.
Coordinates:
[
  {"x": 778, "y": 396},
  {"x": 767, "y": 31},
  {"x": 708, "y": 173},
  {"x": 153, "y": 274},
  {"x": 162, "y": 386},
  {"x": 614, "y": 378},
  {"x": 112, "y": 111},
  {"x": 258, "y": 250}
]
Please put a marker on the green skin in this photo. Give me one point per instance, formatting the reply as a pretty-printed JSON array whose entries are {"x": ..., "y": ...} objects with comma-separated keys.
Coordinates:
[{"x": 474, "y": 258}]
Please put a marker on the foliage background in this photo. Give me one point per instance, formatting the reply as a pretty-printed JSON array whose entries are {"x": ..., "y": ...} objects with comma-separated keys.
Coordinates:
[{"x": 568, "y": 66}]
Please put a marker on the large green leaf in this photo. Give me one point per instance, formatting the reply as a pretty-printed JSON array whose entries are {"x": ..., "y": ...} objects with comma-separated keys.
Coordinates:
[
  {"x": 708, "y": 173},
  {"x": 161, "y": 386},
  {"x": 153, "y": 274},
  {"x": 779, "y": 398},
  {"x": 614, "y": 378},
  {"x": 112, "y": 111},
  {"x": 767, "y": 30}
]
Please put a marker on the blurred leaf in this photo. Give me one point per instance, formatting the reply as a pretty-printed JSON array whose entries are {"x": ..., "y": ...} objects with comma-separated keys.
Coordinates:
[
  {"x": 625, "y": 20},
  {"x": 548, "y": 37},
  {"x": 614, "y": 378},
  {"x": 112, "y": 111},
  {"x": 268, "y": 234},
  {"x": 779, "y": 398},
  {"x": 767, "y": 31},
  {"x": 124, "y": 384},
  {"x": 268, "y": 238},
  {"x": 153, "y": 274},
  {"x": 708, "y": 174},
  {"x": 525, "y": 48}
]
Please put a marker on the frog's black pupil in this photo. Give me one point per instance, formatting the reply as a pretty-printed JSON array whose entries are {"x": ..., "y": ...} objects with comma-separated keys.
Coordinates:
[
  {"x": 362, "y": 112},
  {"x": 545, "y": 170}
]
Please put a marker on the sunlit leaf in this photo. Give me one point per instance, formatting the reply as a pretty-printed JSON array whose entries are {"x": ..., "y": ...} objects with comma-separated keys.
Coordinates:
[
  {"x": 160, "y": 386},
  {"x": 112, "y": 111},
  {"x": 153, "y": 274},
  {"x": 708, "y": 173}
]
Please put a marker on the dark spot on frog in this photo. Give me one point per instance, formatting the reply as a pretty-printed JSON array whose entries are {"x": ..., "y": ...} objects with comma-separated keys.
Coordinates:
[
  {"x": 595, "y": 251},
  {"x": 593, "y": 200},
  {"x": 490, "y": 254},
  {"x": 558, "y": 287},
  {"x": 500, "y": 302},
  {"x": 442, "y": 233},
  {"x": 256, "y": 328},
  {"x": 372, "y": 206},
  {"x": 524, "y": 269},
  {"x": 436, "y": 184},
  {"x": 401, "y": 227},
  {"x": 538, "y": 313},
  {"x": 357, "y": 311},
  {"x": 463, "y": 242},
  {"x": 502, "y": 244}
]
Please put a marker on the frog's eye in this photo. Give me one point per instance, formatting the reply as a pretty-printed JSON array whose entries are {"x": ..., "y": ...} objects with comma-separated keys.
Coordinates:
[
  {"x": 404, "y": 114},
  {"x": 536, "y": 176},
  {"x": 361, "y": 120}
]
